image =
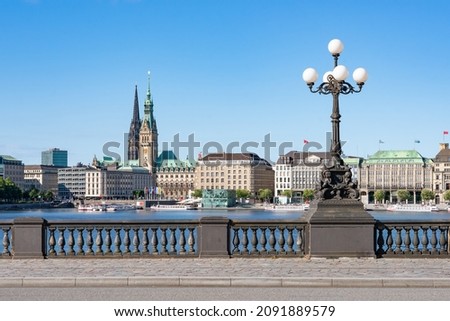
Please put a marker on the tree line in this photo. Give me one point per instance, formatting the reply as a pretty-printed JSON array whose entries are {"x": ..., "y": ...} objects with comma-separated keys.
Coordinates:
[{"x": 11, "y": 193}]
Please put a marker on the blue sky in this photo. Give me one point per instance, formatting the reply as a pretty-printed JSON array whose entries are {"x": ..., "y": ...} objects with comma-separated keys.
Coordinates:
[{"x": 224, "y": 71}]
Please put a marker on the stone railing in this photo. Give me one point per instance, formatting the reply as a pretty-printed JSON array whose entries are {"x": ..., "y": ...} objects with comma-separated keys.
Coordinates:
[
  {"x": 268, "y": 238},
  {"x": 209, "y": 236},
  {"x": 412, "y": 239}
]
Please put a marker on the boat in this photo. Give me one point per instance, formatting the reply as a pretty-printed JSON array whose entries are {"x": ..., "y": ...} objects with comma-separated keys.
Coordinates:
[
  {"x": 302, "y": 207},
  {"x": 173, "y": 207},
  {"x": 119, "y": 207},
  {"x": 409, "y": 208},
  {"x": 90, "y": 208}
]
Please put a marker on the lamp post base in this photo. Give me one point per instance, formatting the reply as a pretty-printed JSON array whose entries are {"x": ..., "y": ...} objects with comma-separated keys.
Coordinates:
[{"x": 340, "y": 228}]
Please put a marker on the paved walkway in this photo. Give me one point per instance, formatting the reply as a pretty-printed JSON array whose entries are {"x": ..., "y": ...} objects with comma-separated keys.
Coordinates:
[{"x": 256, "y": 272}]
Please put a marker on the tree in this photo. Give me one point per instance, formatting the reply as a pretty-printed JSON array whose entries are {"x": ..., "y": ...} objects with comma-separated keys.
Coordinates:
[
  {"x": 265, "y": 194},
  {"x": 34, "y": 194},
  {"x": 447, "y": 196},
  {"x": 308, "y": 194},
  {"x": 379, "y": 196},
  {"x": 242, "y": 193},
  {"x": 403, "y": 195},
  {"x": 287, "y": 192},
  {"x": 197, "y": 193},
  {"x": 427, "y": 195}
]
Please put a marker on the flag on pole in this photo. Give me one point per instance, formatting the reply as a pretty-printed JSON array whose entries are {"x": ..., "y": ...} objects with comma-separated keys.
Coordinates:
[
  {"x": 305, "y": 141},
  {"x": 445, "y": 132},
  {"x": 380, "y": 142},
  {"x": 417, "y": 142}
]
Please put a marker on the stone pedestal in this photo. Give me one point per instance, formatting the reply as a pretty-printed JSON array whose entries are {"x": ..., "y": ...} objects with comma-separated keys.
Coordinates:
[
  {"x": 213, "y": 238},
  {"x": 341, "y": 228},
  {"x": 28, "y": 238}
]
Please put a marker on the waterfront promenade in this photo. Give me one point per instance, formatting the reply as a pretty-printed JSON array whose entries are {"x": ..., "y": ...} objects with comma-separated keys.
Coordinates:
[{"x": 223, "y": 272}]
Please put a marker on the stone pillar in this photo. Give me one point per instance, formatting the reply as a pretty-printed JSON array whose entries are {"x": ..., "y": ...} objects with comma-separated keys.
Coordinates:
[
  {"x": 213, "y": 237},
  {"x": 341, "y": 228},
  {"x": 28, "y": 238}
]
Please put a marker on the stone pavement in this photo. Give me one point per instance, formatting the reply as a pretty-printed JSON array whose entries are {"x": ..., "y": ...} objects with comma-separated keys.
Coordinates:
[{"x": 224, "y": 272}]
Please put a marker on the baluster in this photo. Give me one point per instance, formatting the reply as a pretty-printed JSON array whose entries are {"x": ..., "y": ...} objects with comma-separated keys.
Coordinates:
[
  {"x": 145, "y": 240},
  {"x": 172, "y": 240},
  {"x": 61, "y": 241},
  {"x": 6, "y": 243},
  {"x": 154, "y": 240},
  {"x": 433, "y": 241},
  {"x": 398, "y": 241},
  {"x": 425, "y": 240},
  {"x": 407, "y": 240},
  {"x": 272, "y": 241},
  {"x": 244, "y": 240},
  {"x": 182, "y": 241},
  {"x": 416, "y": 240},
  {"x": 80, "y": 241},
  {"x": 164, "y": 241},
  {"x": 281, "y": 241},
  {"x": 254, "y": 241},
  {"x": 380, "y": 241},
  {"x": 126, "y": 241},
  {"x": 290, "y": 241},
  {"x": 51, "y": 241},
  {"x": 108, "y": 242},
  {"x": 263, "y": 240},
  {"x": 99, "y": 242},
  {"x": 136, "y": 241},
  {"x": 235, "y": 240},
  {"x": 71, "y": 242},
  {"x": 442, "y": 241},
  {"x": 389, "y": 240},
  {"x": 117, "y": 241},
  {"x": 300, "y": 241},
  {"x": 191, "y": 240},
  {"x": 89, "y": 241}
]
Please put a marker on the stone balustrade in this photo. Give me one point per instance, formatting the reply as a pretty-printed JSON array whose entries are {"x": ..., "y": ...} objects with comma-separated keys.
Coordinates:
[
  {"x": 412, "y": 239},
  {"x": 209, "y": 236}
]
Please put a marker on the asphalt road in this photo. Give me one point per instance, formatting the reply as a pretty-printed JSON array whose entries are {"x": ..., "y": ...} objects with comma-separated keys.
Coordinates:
[{"x": 223, "y": 294}]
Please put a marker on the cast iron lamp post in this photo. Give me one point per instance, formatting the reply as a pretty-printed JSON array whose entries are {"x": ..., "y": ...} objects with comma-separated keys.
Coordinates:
[{"x": 336, "y": 182}]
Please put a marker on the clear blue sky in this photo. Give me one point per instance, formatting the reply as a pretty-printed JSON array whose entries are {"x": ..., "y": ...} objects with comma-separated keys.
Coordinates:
[{"x": 225, "y": 71}]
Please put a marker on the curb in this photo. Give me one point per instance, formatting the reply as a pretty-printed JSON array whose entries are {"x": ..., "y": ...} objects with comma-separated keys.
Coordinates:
[{"x": 262, "y": 282}]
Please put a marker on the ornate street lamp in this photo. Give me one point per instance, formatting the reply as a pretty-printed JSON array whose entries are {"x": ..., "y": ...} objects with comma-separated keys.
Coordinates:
[{"x": 336, "y": 181}]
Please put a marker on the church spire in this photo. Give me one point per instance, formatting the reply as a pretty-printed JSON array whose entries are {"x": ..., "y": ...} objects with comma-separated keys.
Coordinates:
[{"x": 133, "y": 134}]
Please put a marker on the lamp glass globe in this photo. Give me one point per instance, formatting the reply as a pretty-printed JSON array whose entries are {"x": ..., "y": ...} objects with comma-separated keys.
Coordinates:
[{"x": 335, "y": 46}]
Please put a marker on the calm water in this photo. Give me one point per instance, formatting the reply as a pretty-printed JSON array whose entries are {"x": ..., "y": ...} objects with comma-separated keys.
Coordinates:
[{"x": 241, "y": 214}]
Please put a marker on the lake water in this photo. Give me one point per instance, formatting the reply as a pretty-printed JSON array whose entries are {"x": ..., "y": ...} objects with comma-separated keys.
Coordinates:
[{"x": 241, "y": 214}]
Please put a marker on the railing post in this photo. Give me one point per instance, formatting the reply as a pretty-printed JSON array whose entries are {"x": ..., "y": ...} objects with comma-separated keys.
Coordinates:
[
  {"x": 28, "y": 238},
  {"x": 213, "y": 237}
]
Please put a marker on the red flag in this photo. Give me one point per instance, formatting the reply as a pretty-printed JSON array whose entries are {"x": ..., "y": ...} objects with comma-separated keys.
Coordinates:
[
  {"x": 445, "y": 132},
  {"x": 305, "y": 141}
]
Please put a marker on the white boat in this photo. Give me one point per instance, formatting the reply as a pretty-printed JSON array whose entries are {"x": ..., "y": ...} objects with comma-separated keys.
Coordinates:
[
  {"x": 302, "y": 207},
  {"x": 173, "y": 207},
  {"x": 119, "y": 207},
  {"x": 409, "y": 208},
  {"x": 90, "y": 208}
]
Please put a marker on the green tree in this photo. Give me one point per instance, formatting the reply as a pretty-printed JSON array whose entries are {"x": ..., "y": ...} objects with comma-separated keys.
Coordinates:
[
  {"x": 34, "y": 194},
  {"x": 265, "y": 194},
  {"x": 242, "y": 193},
  {"x": 287, "y": 192},
  {"x": 379, "y": 196},
  {"x": 447, "y": 196},
  {"x": 308, "y": 194},
  {"x": 427, "y": 195},
  {"x": 403, "y": 195},
  {"x": 197, "y": 193}
]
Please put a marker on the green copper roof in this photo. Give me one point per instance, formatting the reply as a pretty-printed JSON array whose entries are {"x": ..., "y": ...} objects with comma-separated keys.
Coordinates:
[{"x": 396, "y": 157}]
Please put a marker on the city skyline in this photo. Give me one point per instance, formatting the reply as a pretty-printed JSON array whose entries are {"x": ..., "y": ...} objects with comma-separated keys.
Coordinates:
[{"x": 223, "y": 72}]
